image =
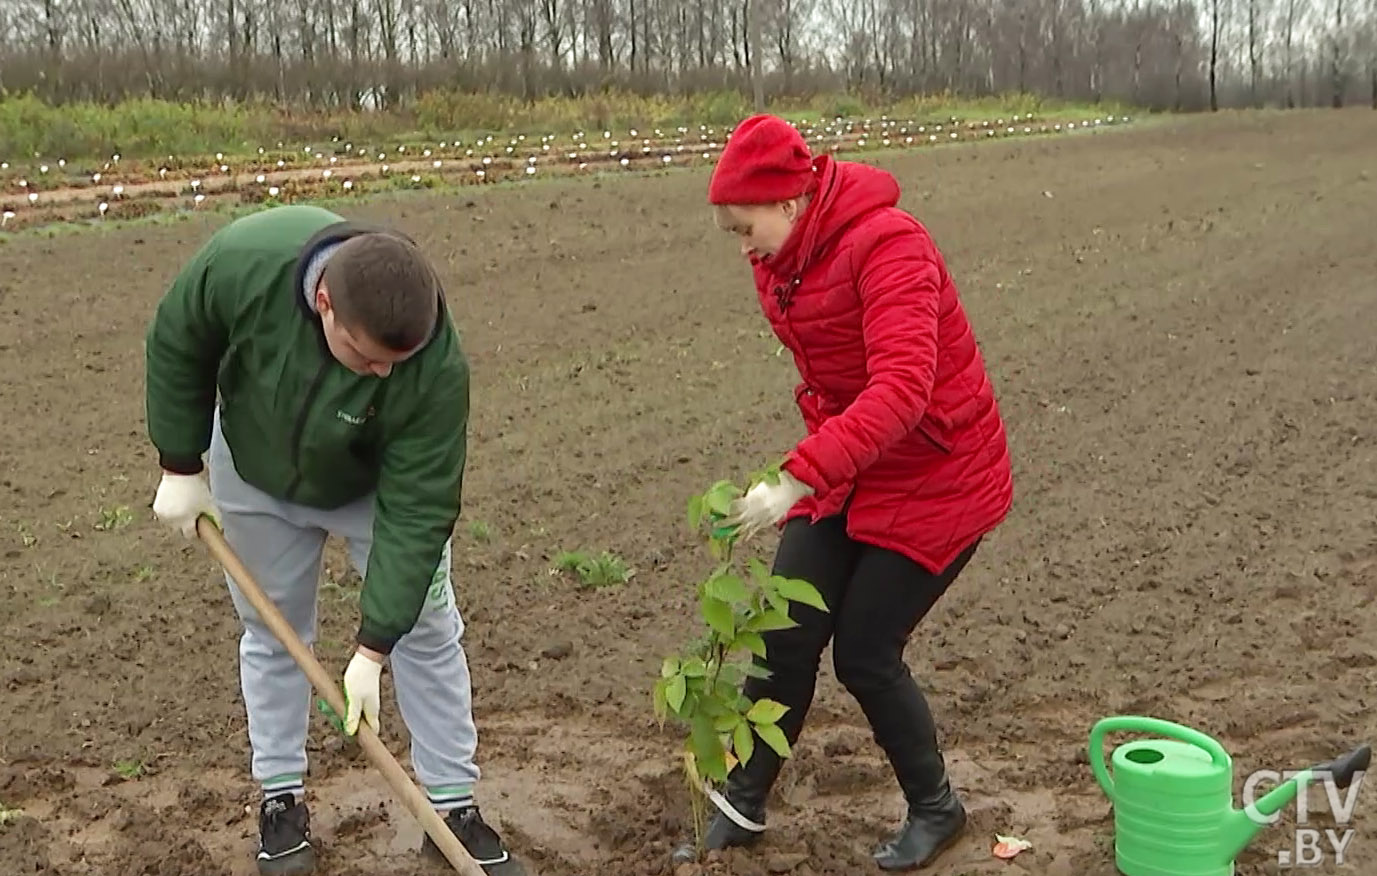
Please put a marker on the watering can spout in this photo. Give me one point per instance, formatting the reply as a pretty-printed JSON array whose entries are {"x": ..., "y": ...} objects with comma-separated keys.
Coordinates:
[{"x": 1241, "y": 825}]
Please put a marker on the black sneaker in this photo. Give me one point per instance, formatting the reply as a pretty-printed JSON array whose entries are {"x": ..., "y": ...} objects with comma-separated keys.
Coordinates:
[
  {"x": 480, "y": 841},
  {"x": 284, "y": 837}
]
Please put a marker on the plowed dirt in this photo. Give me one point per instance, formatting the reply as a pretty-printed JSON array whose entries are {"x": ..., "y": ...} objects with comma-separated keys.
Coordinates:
[{"x": 1178, "y": 322}]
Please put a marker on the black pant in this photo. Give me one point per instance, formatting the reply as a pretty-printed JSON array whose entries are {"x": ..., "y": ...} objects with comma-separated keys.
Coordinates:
[{"x": 876, "y": 598}]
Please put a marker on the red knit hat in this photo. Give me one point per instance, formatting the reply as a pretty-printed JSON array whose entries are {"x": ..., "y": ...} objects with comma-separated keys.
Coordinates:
[{"x": 765, "y": 160}]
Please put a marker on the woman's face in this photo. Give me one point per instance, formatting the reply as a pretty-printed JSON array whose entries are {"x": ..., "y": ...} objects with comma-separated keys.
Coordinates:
[{"x": 761, "y": 228}]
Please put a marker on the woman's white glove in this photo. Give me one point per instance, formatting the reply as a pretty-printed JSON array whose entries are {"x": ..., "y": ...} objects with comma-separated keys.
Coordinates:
[
  {"x": 766, "y": 504},
  {"x": 362, "y": 692},
  {"x": 181, "y": 499}
]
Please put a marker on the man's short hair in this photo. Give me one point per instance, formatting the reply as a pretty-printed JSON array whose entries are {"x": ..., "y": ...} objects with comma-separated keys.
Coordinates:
[{"x": 381, "y": 286}]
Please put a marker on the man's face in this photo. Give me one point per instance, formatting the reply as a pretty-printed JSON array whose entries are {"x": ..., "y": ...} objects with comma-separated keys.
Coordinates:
[{"x": 354, "y": 349}]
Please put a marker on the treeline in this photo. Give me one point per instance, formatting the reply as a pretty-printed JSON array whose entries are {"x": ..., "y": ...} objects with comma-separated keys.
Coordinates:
[{"x": 383, "y": 54}]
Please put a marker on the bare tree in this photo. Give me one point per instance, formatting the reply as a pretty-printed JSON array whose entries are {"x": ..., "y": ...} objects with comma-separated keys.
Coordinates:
[
  {"x": 1372, "y": 49},
  {"x": 1219, "y": 10},
  {"x": 1338, "y": 54},
  {"x": 368, "y": 54},
  {"x": 1257, "y": 17}
]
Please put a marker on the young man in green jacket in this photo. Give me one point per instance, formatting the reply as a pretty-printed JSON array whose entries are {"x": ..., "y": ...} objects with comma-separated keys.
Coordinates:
[{"x": 343, "y": 408}]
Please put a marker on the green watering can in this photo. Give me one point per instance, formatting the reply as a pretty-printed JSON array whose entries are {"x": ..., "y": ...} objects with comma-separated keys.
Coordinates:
[{"x": 1173, "y": 798}]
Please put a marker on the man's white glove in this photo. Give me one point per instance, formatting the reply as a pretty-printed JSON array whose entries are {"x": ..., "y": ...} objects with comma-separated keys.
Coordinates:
[
  {"x": 361, "y": 691},
  {"x": 766, "y": 504},
  {"x": 181, "y": 499}
]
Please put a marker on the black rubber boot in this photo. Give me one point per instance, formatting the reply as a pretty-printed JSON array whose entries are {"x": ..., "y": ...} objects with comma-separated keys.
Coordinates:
[
  {"x": 903, "y": 727},
  {"x": 933, "y": 824}
]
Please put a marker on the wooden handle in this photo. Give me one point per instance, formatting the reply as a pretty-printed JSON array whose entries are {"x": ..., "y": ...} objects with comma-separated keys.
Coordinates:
[{"x": 410, "y": 795}]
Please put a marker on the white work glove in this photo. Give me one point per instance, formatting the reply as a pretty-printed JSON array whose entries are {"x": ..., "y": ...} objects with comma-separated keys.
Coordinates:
[
  {"x": 361, "y": 692},
  {"x": 181, "y": 499},
  {"x": 766, "y": 504}
]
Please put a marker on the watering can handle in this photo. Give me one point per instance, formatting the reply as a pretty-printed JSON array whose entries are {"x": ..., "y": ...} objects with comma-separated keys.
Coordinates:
[{"x": 1154, "y": 726}]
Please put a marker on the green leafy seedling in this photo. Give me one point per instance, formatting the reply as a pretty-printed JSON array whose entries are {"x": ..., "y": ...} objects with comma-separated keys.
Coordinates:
[
  {"x": 594, "y": 571},
  {"x": 130, "y": 769},
  {"x": 700, "y": 686},
  {"x": 114, "y": 518}
]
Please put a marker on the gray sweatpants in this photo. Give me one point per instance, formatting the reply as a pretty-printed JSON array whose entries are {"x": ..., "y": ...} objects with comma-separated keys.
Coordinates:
[{"x": 281, "y": 544}]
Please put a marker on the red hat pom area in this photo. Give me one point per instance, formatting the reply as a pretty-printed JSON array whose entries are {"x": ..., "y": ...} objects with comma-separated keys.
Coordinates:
[{"x": 765, "y": 160}]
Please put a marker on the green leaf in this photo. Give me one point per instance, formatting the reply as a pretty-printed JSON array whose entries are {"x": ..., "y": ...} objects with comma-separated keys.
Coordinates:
[
  {"x": 730, "y": 673},
  {"x": 712, "y": 706},
  {"x": 767, "y": 475},
  {"x": 695, "y": 512},
  {"x": 661, "y": 701},
  {"x": 799, "y": 590},
  {"x": 719, "y": 498},
  {"x": 719, "y": 549},
  {"x": 727, "y": 721},
  {"x": 727, "y": 587},
  {"x": 675, "y": 692},
  {"x": 768, "y": 621},
  {"x": 729, "y": 693},
  {"x": 694, "y": 667},
  {"x": 743, "y": 742},
  {"x": 718, "y": 615},
  {"x": 766, "y": 711},
  {"x": 670, "y": 667},
  {"x": 707, "y": 750},
  {"x": 773, "y": 737},
  {"x": 759, "y": 571},
  {"x": 779, "y": 603},
  {"x": 755, "y": 670},
  {"x": 751, "y": 641}
]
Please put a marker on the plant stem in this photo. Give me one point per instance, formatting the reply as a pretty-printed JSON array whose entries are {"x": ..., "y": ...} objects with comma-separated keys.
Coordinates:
[
  {"x": 715, "y": 643},
  {"x": 696, "y": 805}
]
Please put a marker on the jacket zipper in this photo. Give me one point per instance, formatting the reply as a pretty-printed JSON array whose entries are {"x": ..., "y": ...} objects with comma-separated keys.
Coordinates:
[
  {"x": 784, "y": 297},
  {"x": 299, "y": 431}
]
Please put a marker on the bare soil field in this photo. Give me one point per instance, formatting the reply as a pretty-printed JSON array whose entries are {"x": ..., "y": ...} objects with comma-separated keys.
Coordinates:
[{"x": 1177, "y": 318}]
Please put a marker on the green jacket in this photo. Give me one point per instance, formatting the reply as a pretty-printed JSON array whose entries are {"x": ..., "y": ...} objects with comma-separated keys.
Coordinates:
[{"x": 301, "y": 426}]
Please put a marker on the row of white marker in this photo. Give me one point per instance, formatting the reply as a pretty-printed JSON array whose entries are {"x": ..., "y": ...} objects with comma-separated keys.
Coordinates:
[
  {"x": 273, "y": 191},
  {"x": 838, "y": 131}
]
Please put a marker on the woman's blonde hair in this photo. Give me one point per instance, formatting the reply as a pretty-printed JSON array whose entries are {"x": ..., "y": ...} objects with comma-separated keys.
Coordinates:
[{"x": 725, "y": 218}]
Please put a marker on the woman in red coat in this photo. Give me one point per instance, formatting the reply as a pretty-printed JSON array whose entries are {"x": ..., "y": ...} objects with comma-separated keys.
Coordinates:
[{"x": 904, "y": 468}]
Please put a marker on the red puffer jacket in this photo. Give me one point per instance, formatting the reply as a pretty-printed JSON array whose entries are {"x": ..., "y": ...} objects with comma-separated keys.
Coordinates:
[{"x": 900, "y": 414}]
